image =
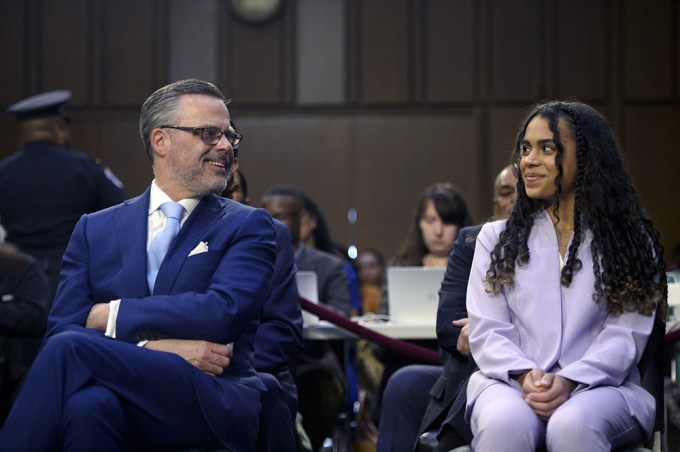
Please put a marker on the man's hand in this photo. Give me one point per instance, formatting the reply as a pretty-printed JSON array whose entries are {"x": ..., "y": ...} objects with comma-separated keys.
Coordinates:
[
  {"x": 98, "y": 316},
  {"x": 547, "y": 392},
  {"x": 209, "y": 357},
  {"x": 463, "y": 344}
]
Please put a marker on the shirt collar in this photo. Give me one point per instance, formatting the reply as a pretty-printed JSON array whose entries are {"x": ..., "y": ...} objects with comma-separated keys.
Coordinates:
[{"x": 158, "y": 197}]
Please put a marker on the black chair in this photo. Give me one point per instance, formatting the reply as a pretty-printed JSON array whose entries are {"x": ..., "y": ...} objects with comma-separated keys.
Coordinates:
[{"x": 651, "y": 367}]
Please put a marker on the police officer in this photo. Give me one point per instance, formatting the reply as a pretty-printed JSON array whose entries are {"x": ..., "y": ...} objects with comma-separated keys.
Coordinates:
[{"x": 45, "y": 187}]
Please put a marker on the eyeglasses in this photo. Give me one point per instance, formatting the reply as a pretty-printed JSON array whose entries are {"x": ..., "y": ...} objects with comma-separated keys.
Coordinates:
[{"x": 211, "y": 135}]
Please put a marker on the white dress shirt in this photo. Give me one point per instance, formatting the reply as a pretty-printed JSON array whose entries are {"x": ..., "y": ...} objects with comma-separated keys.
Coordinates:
[{"x": 155, "y": 224}]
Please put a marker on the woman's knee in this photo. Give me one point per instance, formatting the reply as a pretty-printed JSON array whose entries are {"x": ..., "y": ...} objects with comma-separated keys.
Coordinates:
[
  {"x": 575, "y": 424},
  {"x": 501, "y": 413}
]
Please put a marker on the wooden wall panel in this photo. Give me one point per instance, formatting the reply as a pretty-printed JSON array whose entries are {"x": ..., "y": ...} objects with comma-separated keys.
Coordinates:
[
  {"x": 676, "y": 20},
  {"x": 65, "y": 62},
  {"x": 128, "y": 60},
  {"x": 450, "y": 69},
  {"x": 650, "y": 132},
  {"x": 436, "y": 91},
  {"x": 120, "y": 147},
  {"x": 114, "y": 139},
  {"x": 310, "y": 152},
  {"x": 384, "y": 53},
  {"x": 13, "y": 52},
  {"x": 256, "y": 59},
  {"x": 321, "y": 53},
  {"x": 503, "y": 125},
  {"x": 397, "y": 157},
  {"x": 192, "y": 47},
  {"x": 516, "y": 63},
  {"x": 9, "y": 136},
  {"x": 648, "y": 37},
  {"x": 577, "y": 53}
]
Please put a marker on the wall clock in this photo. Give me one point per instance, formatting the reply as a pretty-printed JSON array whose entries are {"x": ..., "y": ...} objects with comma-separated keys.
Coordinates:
[{"x": 256, "y": 11}]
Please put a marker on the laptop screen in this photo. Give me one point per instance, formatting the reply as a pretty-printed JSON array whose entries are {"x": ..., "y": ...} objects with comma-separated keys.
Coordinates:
[
  {"x": 308, "y": 288},
  {"x": 413, "y": 294}
]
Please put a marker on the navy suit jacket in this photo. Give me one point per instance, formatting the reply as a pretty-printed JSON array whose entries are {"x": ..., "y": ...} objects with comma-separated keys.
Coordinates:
[
  {"x": 215, "y": 295},
  {"x": 448, "y": 392},
  {"x": 279, "y": 337}
]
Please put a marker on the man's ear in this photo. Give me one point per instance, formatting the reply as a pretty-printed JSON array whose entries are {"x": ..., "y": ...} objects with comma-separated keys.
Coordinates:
[
  {"x": 234, "y": 166},
  {"x": 160, "y": 141}
]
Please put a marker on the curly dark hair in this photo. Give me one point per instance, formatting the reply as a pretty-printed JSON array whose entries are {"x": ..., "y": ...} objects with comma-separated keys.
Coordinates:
[
  {"x": 450, "y": 206},
  {"x": 627, "y": 254}
]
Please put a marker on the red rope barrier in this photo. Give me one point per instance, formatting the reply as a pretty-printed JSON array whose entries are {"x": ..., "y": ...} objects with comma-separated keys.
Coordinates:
[
  {"x": 672, "y": 337},
  {"x": 406, "y": 348}
]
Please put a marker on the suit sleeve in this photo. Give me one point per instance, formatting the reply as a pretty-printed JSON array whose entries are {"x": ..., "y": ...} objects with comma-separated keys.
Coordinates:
[
  {"x": 73, "y": 300},
  {"x": 220, "y": 295},
  {"x": 279, "y": 337},
  {"x": 494, "y": 339},
  {"x": 454, "y": 289},
  {"x": 614, "y": 353}
]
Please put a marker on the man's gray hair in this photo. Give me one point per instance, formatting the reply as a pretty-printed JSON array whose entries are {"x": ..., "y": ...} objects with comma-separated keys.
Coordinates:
[{"x": 160, "y": 107}]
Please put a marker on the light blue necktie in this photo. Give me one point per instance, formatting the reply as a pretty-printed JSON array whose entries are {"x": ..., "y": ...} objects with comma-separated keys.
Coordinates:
[{"x": 160, "y": 244}]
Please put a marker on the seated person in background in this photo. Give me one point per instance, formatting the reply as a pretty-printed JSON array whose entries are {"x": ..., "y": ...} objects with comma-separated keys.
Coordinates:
[
  {"x": 441, "y": 212},
  {"x": 156, "y": 351},
  {"x": 279, "y": 340},
  {"x": 237, "y": 188},
  {"x": 318, "y": 372},
  {"x": 371, "y": 271},
  {"x": 419, "y": 398},
  {"x": 24, "y": 304},
  {"x": 314, "y": 233},
  {"x": 562, "y": 296}
]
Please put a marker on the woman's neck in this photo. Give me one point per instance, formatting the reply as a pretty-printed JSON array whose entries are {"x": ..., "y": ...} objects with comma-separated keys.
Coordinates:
[
  {"x": 431, "y": 260},
  {"x": 563, "y": 222},
  {"x": 565, "y": 214}
]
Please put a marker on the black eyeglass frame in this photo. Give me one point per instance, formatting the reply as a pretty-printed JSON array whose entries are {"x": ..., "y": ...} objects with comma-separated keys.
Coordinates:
[{"x": 234, "y": 138}]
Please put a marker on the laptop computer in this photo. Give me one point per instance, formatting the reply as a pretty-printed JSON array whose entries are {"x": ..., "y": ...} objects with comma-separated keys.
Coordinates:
[
  {"x": 413, "y": 294},
  {"x": 308, "y": 288}
]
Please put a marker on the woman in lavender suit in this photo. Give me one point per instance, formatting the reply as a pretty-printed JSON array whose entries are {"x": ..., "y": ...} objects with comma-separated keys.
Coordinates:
[{"x": 562, "y": 296}]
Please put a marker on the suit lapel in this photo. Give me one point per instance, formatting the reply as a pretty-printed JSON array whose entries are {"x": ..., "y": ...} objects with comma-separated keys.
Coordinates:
[
  {"x": 205, "y": 213},
  {"x": 130, "y": 223}
]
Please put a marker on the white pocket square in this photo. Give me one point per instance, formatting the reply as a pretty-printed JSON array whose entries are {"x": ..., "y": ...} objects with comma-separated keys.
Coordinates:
[{"x": 200, "y": 248}]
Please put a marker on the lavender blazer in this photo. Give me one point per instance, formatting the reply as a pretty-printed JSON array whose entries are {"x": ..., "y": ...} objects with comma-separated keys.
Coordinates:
[{"x": 538, "y": 323}]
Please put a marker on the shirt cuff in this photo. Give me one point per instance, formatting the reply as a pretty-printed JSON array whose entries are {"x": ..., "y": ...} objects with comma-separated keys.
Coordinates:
[{"x": 114, "y": 305}]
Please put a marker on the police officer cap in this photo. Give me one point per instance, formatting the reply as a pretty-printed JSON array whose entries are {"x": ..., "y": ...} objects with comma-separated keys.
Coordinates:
[{"x": 41, "y": 105}]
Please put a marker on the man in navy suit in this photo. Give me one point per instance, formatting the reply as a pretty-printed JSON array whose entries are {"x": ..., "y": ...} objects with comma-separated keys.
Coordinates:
[
  {"x": 279, "y": 338},
  {"x": 124, "y": 366}
]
